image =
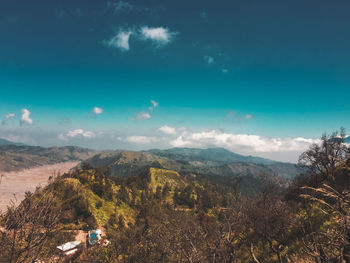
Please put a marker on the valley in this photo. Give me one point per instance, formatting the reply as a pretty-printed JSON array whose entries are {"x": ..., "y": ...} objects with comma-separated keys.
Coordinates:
[{"x": 13, "y": 185}]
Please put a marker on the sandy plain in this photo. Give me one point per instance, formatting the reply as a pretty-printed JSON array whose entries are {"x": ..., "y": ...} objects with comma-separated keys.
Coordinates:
[{"x": 13, "y": 185}]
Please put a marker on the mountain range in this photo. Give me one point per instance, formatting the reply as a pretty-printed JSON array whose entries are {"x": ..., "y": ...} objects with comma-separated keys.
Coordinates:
[{"x": 206, "y": 162}]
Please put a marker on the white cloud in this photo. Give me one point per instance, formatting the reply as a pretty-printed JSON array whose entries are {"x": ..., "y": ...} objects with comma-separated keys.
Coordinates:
[
  {"x": 167, "y": 130},
  {"x": 121, "y": 40},
  {"x": 158, "y": 35},
  {"x": 79, "y": 133},
  {"x": 145, "y": 115},
  {"x": 139, "y": 139},
  {"x": 7, "y": 118},
  {"x": 25, "y": 118},
  {"x": 209, "y": 59},
  {"x": 97, "y": 110},
  {"x": 241, "y": 142}
]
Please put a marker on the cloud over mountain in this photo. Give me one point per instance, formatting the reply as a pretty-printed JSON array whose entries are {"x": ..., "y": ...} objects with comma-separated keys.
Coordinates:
[{"x": 241, "y": 142}]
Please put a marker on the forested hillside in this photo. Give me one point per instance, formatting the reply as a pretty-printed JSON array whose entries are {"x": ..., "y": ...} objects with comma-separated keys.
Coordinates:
[{"x": 161, "y": 215}]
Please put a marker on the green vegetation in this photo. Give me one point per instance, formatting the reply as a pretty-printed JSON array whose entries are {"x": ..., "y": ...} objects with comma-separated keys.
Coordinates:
[{"x": 160, "y": 215}]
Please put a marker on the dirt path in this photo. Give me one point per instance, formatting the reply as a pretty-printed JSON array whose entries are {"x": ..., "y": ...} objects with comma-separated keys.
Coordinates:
[{"x": 27, "y": 180}]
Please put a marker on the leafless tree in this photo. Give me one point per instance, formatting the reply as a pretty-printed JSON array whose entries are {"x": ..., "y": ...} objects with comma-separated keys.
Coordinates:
[
  {"x": 323, "y": 159},
  {"x": 29, "y": 228}
]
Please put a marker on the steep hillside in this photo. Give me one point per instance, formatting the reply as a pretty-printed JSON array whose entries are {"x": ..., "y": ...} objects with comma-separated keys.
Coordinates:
[
  {"x": 15, "y": 158},
  {"x": 124, "y": 163},
  {"x": 88, "y": 198},
  {"x": 161, "y": 177}
]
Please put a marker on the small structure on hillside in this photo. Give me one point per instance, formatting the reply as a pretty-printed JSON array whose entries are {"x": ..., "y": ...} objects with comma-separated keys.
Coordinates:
[
  {"x": 69, "y": 248},
  {"x": 94, "y": 237}
]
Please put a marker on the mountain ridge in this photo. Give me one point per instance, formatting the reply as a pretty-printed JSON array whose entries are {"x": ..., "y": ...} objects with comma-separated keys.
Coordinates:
[
  {"x": 7, "y": 142},
  {"x": 221, "y": 154},
  {"x": 16, "y": 158},
  {"x": 207, "y": 162}
]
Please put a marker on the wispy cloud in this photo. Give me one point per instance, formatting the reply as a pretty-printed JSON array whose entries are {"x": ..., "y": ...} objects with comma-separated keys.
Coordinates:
[
  {"x": 120, "y": 40},
  {"x": 158, "y": 35},
  {"x": 209, "y": 59},
  {"x": 61, "y": 13},
  {"x": 7, "y": 118},
  {"x": 142, "y": 116},
  {"x": 145, "y": 115},
  {"x": 25, "y": 118},
  {"x": 235, "y": 116},
  {"x": 154, "y": 105},
  {"x": 120, "y": 6}
]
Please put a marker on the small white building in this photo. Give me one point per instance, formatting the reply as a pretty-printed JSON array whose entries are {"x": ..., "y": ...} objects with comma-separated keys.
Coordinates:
[{"x": 69, "y": 248}]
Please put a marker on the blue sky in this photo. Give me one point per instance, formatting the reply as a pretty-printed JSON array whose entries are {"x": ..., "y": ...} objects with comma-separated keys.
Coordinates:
[{"x": 250, "y": 76}]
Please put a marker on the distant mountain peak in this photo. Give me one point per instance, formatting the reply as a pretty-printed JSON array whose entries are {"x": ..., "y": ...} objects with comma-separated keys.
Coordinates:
[{"x": 7, "y": 142}]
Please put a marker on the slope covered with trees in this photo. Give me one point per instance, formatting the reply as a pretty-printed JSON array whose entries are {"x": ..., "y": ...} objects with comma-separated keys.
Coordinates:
[{"x": 160, "y": 215}]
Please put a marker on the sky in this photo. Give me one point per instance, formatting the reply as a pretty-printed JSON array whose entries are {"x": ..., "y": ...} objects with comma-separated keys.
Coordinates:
[{"x": 263, "y": 78}]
